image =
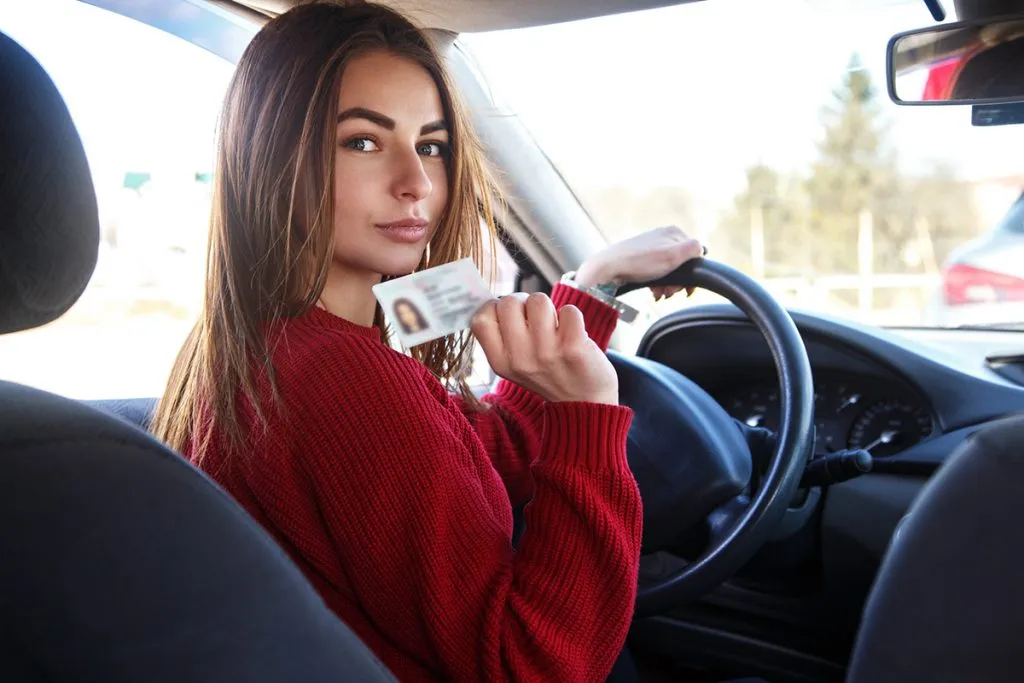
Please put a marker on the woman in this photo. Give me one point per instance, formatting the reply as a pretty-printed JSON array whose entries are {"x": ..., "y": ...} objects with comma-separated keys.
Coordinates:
[
  {"x": 344, "y": 154},
  {"x": 408, "y": 316}
]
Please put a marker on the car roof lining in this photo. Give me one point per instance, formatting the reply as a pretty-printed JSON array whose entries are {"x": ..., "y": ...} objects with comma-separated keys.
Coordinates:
[{"x": 470, "y": 16}]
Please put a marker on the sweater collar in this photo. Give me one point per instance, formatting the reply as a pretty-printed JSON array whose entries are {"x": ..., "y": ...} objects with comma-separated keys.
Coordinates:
[{"x": 323, "y": 318}]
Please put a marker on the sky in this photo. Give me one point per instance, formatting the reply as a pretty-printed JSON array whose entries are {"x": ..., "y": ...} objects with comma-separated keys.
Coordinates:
[
  {"x": 687, "y": 96},
  {"x": 141, "y": 99},
  {"x": 693, "y": 94}
]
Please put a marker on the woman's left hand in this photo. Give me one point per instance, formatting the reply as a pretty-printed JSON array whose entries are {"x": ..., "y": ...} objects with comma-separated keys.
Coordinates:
[{"x": 647, "y": 256}]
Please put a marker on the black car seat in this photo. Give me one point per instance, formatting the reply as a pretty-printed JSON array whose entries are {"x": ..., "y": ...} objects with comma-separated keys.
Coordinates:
[
  {"x": 947, "y": 604},
  {"x": 995, "y": 72},
  {"x": 118, "y": 560}
]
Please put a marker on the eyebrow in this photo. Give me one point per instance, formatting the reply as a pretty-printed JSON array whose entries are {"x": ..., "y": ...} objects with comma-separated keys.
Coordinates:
[{"x": 387, "y": 122}]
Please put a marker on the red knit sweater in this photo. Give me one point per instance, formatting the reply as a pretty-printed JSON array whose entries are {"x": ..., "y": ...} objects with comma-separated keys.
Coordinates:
[{"x": 396, "y": 501}]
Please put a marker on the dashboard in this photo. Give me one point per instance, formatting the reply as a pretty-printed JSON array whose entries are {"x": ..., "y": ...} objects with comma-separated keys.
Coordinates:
[
  {"x": 909, "y": 397},
  {"x": 909, "y": 403}
]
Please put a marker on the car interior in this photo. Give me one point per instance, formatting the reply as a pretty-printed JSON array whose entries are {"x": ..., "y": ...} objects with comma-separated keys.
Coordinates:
[{"x": 875, "y": 544}]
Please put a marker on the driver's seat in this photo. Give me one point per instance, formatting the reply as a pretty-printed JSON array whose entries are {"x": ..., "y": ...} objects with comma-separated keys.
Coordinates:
[
  {"x": 948, "y": 604},
  {"x": 120, "y": 561}
]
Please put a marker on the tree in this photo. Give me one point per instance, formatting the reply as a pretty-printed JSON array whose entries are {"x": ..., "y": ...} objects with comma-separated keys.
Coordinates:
[
  {"x": 855, "y": 171},
  {"x": 775, "y": 204},
  {"x": 938, "y": 213}
]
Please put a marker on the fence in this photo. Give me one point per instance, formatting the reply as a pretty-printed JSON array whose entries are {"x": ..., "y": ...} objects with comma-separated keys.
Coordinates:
[{"x": 818, "y": 292}]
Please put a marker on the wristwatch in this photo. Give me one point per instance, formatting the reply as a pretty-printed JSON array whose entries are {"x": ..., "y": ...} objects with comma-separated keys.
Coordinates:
[{"x": 605, "y": 293}]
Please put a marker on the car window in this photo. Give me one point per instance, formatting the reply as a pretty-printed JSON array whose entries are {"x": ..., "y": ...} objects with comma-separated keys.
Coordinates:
[
  {"x": 503, "y": 281},
  {"x": 1013, "y": 222},
  {"x": 765, "y": 129},
  {"x": 145, "y": 104}
]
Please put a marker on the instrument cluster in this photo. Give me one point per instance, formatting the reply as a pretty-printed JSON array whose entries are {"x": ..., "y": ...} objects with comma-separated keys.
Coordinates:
[{"x": 850, "y": 411}]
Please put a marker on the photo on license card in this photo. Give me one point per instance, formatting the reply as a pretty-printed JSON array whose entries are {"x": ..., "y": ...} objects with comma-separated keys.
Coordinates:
[{"x": 433, "y": 303}]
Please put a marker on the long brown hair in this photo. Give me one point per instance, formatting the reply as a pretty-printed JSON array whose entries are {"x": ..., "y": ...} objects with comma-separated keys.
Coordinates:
[{"x": 271, "y": 228}]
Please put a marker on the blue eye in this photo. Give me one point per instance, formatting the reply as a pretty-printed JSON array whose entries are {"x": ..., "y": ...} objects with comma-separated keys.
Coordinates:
[
  {"x": 433, "y": 149},
  {"x": 361, "y": 144}
]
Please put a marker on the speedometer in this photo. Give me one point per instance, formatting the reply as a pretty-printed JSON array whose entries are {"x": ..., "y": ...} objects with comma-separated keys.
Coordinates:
[
  {"x": 757, "y": 407},
  {"x": 757, "y": 404},
  {"x": 888, "y": 427}
]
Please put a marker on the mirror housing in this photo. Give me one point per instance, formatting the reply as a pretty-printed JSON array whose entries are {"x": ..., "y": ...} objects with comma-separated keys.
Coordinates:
[{"x": 967, "y": 62}]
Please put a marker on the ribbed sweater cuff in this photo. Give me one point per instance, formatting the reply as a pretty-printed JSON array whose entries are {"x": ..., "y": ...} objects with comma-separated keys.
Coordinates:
[
  {"x": 587, "y": 435},
  {"x": 600, "y": 318},
  {"x": 523, "y": 401}
]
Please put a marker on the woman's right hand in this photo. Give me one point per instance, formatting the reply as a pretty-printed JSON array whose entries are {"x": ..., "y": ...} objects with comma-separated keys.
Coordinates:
[{"x": 527, "y": 342}]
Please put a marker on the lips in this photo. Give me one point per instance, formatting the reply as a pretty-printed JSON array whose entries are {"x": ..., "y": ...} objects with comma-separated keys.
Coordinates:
[
  {"x": 406, "y": 230},
  {"x": 404, "y": 223}
]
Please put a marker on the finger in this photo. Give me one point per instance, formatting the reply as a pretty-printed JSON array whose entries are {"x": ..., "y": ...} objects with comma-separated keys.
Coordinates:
[
  {"x": 672, "y": 256},
  {"x": 658, "y": 292},
  {"x": 690, "y": 248},
  {"x": 690, "y": 291},
  {"x": 571, "y": 328},
  {"x": 484, "y": 326},
  {"x": 541, "y": 320},
  {"x": 672, "y": 290},
  {"x": 511, "y": 312}
]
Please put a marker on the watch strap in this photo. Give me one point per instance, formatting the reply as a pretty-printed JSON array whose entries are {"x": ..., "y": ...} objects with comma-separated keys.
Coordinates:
[{"x": 605, "y": 293}]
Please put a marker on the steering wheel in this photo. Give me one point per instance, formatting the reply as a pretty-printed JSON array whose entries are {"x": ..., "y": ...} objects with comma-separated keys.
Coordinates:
[{"x": 690, "y": 460}]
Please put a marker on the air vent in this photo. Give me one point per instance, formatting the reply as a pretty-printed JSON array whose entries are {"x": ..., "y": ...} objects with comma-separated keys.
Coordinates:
[{"x": 1008, "y": 367}]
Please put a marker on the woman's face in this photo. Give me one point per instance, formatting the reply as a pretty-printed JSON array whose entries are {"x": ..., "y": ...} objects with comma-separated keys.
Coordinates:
[
  {"x": 408, "y": 317},
  {"x": 391, "y": 182}
]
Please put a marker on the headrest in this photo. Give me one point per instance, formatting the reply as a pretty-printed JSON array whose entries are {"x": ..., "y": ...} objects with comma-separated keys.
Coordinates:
[
  {"x": 49, "y": 224},
  {"x": 995, "y": 72}
]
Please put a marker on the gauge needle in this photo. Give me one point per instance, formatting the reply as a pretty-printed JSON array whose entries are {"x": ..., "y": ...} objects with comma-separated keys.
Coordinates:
[
  {"x": 851, "y": 401},
  {"x": 886, "y": 437}
]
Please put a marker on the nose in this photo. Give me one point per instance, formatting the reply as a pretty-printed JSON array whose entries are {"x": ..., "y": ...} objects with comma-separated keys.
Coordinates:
[{"x": 411, "y": 181}]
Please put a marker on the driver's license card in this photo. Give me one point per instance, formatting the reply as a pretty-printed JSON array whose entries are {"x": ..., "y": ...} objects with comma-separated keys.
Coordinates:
[{"x": 433, "y": 303}]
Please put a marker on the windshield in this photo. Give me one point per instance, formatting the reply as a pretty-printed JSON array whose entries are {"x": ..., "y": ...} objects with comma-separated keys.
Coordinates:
[{"x": 781, "y": 150}]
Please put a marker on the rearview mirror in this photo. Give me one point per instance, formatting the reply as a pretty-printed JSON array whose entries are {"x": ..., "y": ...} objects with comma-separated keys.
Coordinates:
[{"x": 967, "y": 62}]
